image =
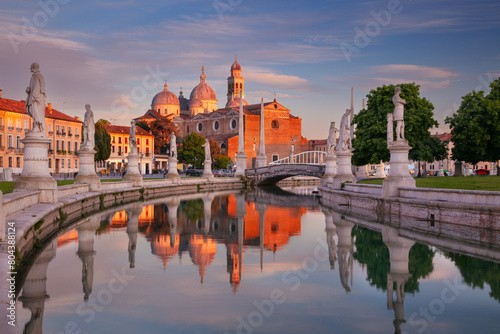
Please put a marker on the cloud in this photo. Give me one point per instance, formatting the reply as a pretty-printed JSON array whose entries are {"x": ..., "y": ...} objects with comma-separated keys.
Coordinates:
[{"x": 272, "y": 79}]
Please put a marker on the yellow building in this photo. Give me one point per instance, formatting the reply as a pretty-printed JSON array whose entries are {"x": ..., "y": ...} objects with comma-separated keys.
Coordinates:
[
  {"x": 120, "y": 148},
  {"x": 63, "y": 131}
]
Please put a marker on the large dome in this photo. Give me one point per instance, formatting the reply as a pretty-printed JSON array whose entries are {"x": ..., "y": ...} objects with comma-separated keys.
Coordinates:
[
  {"x": 235, "y": 103},
  {"x": 236, "y": 66},
  {"x": 203, "y": 91},
  {"x": 165, "y": 97}
]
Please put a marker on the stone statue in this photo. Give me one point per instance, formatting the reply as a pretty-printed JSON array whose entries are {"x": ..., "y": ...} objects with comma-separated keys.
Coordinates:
[
  {"x": 207, "y": 150},
  {"x": 88, "y": 129},
  {"x": 344, "y": 136},
  {"x": 398, "y": 117},
  {"x": 330, "y": 142},
  {"x": 35, "y": 101},
  {"x": 133, "y": 139},
  {"x": 173, "y": 146}
]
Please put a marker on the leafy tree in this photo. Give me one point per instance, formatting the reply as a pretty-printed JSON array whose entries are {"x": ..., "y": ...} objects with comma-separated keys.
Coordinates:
[
  {"x": 429, "y": 150},
  {"x": 215, "y": 150},
  {"x": 475, "y": 127},
  {"x": 103, "y": 121},
  {"x": 191, "y": 151},
  {"x": 102, "y": 141},
  {"x": 161, "y": 129},
  {"x": 370, "y": 143},
  {"x": 192, "y": 209},
  {"x": 143, "y": 125},
  {"x": 222, "y": 161}
]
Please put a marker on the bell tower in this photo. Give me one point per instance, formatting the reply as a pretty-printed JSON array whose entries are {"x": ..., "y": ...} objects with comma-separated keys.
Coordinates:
[{"x": 235, "y": 83}]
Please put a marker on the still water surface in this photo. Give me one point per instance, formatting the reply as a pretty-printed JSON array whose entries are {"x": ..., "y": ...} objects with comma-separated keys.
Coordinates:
[{"x": 248, "y": 264}]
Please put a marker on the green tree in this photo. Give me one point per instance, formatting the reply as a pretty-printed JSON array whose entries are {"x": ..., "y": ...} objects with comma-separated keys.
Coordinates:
[
  {"x": 475, "y": 127},
  {"x": 102, "y": 141},
  {"x": 429, "y": 150},
  {"x": 370, "y": 143},
  {"x": 215, "y": 150},
  {"x": 143, "y": 125},
  {"x": 191, "y": 151},
  {"x": 222, "y": 161},
  {"x": 161, "y": 129}
]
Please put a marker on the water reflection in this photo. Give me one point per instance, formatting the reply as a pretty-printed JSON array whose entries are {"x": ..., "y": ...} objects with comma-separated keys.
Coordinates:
[{"x": 201, "y": 226}]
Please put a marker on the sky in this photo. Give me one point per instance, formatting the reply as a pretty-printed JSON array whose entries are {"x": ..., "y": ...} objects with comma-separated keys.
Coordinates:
[{"x": 116, "y": 55}]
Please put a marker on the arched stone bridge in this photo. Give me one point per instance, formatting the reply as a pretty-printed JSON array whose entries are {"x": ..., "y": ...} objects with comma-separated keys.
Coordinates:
[{"x": 272, "y": 174}]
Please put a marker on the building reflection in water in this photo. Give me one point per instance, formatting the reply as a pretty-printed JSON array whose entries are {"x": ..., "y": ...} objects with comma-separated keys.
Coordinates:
[{"x": 195, "y": 226}]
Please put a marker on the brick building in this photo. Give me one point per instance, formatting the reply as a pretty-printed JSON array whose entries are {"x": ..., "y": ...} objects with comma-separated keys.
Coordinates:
[
  {"x": 62, "y": 130},
  {"x": 200, "y": 114}
]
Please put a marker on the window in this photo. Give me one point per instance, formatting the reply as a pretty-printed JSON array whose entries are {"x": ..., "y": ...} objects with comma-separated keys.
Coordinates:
[
  {"x": 126, "y": 149},
  {"x": 138, "y": 141},
  {"x": 18, "y": 142},
  {"x": 62, "y": 163},
  {"x": 57, "y": 129},
  {"x": 431, "y": 167},
  {"x": 113, "y": 140},
  {"x": 233, "y": 124},
  {"x": 1, "y": 161},
  {"x": 276, "y": 157},
  {"x": 253, "y": 146},
  {"x": 76, "y": 146},
  {"x": 1, "y": 122},
  {"x": 199, "y": 127},
  {"x": 50, "y": 163},
  {"x": 10, "y": 161},
  {"x": 18, "y": 124},
  {"x": 1, "y": 140},
  {"x": 69, "y": 145},
  {"x": 126, "y": 140},
  {"x": 57, "y": 144},
  {"x": 9, "y": 123},
  {"x": 188, "y": 129},
  {"x": 76, "y": 163},
  {"x": 10, "y": 142},
  {"x": 26, "y": 125},
  {"x": 275, "y": 124},
  {"x": 216, "y": 125},
  {"x": 119, "y": 140},
  {"x": 147, "y": 141},
  {"x": 113, "y": 148},
  {"x": 69, "y": 163},
  {"x": 63, "y": 145},
  {"x": 76, "y": 131},
  {"x": 50, "y": 127}
]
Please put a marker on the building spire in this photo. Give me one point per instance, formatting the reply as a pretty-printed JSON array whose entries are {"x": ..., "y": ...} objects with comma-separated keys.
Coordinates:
[{"x": 203, "y": 76}]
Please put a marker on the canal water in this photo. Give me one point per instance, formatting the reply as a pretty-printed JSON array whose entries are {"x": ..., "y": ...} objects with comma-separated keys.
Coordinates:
[{"x": 262, "y": 262}]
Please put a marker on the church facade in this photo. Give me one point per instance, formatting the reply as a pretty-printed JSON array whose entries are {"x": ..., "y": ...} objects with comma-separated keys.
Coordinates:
[{"x": 200, "y": 114}]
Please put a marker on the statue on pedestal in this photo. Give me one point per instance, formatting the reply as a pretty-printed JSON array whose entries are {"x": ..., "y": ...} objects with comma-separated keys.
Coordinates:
[
  {"x": 330, "y": 142},
  {"x": 133, "y": 139},
  {"x": 88, "y": 129},
  {"x": 207, "y": 150},
  {"x": 398, "y": 117},
  {"x": 173, "y": 145},
  {"x": 344, "y": 136},
  {"x": 35, "y": 101}
]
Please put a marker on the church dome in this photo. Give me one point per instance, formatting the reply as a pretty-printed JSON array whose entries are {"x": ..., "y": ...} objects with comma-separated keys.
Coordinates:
[
  {"x": 195, "y": 103},
  {"x": 203, "y": 91},
  {"x": 165, "y": 97},
  {"x": 236, "y": 66},
  {"x": 235, "y": 103}
]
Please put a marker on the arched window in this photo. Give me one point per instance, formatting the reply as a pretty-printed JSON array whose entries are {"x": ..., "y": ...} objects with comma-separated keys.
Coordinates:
[
  {"x": 216, "y": 125},
  {"x": 199, "y": 127},
  {"x": 233, "y": 124}
]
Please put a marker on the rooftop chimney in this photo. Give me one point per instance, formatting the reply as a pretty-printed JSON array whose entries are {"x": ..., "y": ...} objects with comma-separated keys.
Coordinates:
[
  {"x": 77, "y": 118},
  {"x": 49, "y": 106},
  {"x": 0, "y": 93}
]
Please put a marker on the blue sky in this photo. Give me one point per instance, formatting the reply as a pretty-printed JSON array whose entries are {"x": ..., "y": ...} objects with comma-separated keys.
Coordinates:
[{"x": 115, "y": 55}]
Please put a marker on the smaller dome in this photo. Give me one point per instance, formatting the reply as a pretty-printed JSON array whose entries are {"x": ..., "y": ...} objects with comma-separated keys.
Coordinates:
[
  {"x": 165, "y": 97},
  {"x": 235, "y": 103},
  {"x": 235, "y": 65},
  {"x": 195, "y": 103}
]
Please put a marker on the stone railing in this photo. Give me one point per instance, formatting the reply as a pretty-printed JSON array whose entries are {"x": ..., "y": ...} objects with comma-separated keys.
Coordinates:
[
  {"x": 476, "y": 197},
  {"x": 363, "y": 188}
]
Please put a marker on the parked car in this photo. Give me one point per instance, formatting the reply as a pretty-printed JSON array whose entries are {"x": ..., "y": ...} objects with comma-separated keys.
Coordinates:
[
  {"x": 228, "y": 172},
  {"x": 194, "y": 172},
  {"x": 218, "y": 172}
]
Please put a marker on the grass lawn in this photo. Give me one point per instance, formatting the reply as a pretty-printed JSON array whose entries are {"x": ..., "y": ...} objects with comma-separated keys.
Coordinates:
[{"x": 475, "y": 182}]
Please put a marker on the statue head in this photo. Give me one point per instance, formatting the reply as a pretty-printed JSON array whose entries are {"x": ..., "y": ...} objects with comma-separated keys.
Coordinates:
[
  {"x": 87, "y": 107},
  {"x": 397, "y": 90},
  {"x": 35, "y": 67}
]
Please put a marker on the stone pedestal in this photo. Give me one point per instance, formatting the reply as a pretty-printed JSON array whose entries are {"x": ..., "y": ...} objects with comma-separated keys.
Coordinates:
[
  {"x": 399, "y": 175},
  {"x": 133, "y": 173},
  {"x": 330, "y": 169},
  {"x": 380, "y": 173},
  {"x": 260, "y": 161},
  {"x": 7, "y": 174},
  {"x": 241, "y": 164},
  {"x": 493, "y": 169},
  {"x": 172, "y": 173},
  {"x": 458, "y": 169},
  {"x": 86, "y": 173},
  {"x": 207, "y": 170},
  {"x": 440, "y": 170},
  {"x": 35, "y": 174},
  {"x": 344, "y": 170}
]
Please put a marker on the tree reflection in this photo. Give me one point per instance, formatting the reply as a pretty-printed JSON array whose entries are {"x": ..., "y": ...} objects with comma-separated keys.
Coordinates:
[
  {"x": 192, "y": 209},
  {"x": 476, "y": 272},
  {"x": 371, "y": 251}
]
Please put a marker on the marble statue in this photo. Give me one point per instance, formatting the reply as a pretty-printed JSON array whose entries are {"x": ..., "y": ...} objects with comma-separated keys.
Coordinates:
[
  {"x": 35, "y": 101},
  {"x": 173, "y": 146},
  {"x": 133, "y": 139},
  {"x": 344, "y": 134},
  {"x": 330, "y": 142},
  {"x": 207, "y": 150},
  {"x": 398, "y": 117},
  {"x": 88, "y": 129}
]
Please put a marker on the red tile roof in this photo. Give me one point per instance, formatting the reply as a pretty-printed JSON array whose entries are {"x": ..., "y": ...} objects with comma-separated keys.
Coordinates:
[
  {"x": 20, "y": 107},
  {"x": 118, "y": 129},
  {"x": 443, "y": 136}
]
